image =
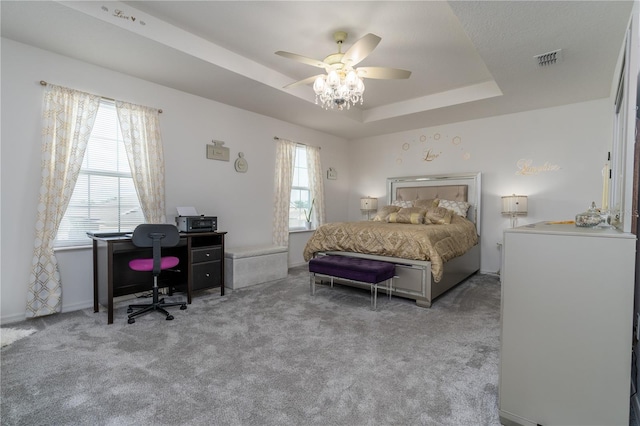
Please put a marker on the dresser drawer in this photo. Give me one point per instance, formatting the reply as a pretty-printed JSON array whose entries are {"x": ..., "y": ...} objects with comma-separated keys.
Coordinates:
[
  {"x": 206, "y": 254},
  {"x": 206, "y": 275}
]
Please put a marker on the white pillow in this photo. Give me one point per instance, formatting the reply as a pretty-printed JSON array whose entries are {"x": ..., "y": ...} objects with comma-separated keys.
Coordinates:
[{"x": 459, "y": 207}]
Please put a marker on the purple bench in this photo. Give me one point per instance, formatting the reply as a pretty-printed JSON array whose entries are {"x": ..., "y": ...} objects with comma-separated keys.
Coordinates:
[{"x": 366, "y": 271}]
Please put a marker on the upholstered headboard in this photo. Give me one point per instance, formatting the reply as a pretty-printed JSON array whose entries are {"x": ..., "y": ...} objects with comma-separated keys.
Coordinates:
[
  {"x": 455, "y": 187},
  {"x": 446, "y": 192}
]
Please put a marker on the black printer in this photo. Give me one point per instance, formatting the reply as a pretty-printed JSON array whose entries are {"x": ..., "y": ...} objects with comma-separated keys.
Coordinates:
[{"x": 197, "y": 223}]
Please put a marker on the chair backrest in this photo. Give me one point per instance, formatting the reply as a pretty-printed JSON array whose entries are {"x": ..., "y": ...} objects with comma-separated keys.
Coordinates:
[
  {"x": 144, "y": 235},
  {"x": 155, "y": 235}
]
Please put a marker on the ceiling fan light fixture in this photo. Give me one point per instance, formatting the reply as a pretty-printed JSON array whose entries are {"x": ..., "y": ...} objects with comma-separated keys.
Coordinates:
[
  {"x": 344, "y": 84},
  {"x": 352, "y": 80},
  {"x": 319, "y": 85},
  {"x": 333, "y": 79},
  {"x": 337, "y": 90}
]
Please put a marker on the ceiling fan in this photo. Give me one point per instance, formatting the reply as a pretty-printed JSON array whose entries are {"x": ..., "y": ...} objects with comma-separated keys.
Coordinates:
[{"x": 343, "y": 84}]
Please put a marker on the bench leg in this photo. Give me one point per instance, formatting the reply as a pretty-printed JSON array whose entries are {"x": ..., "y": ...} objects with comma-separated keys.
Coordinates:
[
  {"x": 374, "y": 296},
  {"x": 312, "y": 283}
]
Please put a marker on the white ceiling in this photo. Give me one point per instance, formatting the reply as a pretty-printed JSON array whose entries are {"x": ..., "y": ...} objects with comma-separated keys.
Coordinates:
[{"x": 468, "y": 59}]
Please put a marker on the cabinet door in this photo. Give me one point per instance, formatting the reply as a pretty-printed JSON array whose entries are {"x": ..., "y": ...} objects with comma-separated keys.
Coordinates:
[{"x": 206, "y": 275}]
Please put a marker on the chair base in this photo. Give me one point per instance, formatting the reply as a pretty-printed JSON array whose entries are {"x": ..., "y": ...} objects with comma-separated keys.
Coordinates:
[{"x": 156, "y": 305}]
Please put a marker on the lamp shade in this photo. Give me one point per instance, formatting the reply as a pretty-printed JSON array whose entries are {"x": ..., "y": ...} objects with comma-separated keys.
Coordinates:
[
  {"x": 368, "y": 204},
  {"x": 514, "y": 205}
]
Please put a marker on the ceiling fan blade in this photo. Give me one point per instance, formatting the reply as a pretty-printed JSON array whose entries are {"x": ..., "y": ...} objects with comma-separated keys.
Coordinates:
[
  {"x": 360, "y": 49},
  {"x": 303, "y": 59},
  {"x": 308, "y": 80},
  {"x": 383, "y": 73}
]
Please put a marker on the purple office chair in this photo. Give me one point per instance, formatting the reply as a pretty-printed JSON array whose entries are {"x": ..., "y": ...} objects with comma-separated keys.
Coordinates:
[{"x": 154, "y": 235}]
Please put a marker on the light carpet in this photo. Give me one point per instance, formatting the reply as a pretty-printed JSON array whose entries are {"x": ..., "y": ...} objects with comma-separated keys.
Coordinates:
[{"x": 270, "y": 354}]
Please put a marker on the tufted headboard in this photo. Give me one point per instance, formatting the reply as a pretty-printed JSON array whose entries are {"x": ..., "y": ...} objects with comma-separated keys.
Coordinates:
[
  {"x": 446, "y": 192},
  {"x": 456, "y": 187}
]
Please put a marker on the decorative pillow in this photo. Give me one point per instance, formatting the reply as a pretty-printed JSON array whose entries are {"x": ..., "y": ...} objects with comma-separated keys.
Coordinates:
[
  {"x": 459, "y": 207},
  {"x": 438, "y": 216},
  {"x": 426, "y": 203},
  {"x": 385, "y": 211},
  {"x": 401, "y": 203},
  {"x": 414, "y": 215}
]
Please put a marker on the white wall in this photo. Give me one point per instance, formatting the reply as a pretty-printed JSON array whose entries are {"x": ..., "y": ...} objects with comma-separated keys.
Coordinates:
[
  {"x": 566, "y": 146},
  {"x": 242, "y": 202}
]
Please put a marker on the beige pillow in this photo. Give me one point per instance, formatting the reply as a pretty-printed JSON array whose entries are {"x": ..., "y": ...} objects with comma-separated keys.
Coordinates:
[
  {"x": 414, "y": 215},
  {"x": 432, "y": 202},
  {"x": 385, "y": 211},
  {"x": 439, "y": 216}
]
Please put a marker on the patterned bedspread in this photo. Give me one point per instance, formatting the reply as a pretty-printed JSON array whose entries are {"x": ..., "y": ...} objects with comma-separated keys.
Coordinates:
[{"x": 436, "y": 243}]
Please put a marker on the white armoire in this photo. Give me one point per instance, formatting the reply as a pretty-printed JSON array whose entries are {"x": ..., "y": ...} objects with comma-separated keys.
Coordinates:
[{"x": 567, "y": 308}]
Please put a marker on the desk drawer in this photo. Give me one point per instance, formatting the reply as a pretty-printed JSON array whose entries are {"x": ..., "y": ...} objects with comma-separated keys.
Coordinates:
[
  {"x": 206, "y": 254},
  {"x": 206, "y": 275}
]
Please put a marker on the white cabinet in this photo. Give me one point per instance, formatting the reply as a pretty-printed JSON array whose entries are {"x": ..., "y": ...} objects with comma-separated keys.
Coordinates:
[{"x": 567, "y": 307}]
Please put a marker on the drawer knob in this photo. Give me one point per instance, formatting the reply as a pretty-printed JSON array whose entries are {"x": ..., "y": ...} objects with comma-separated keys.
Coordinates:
[
  {"x": 208, "y": 275},
  {"x": 207, "y": 254}
]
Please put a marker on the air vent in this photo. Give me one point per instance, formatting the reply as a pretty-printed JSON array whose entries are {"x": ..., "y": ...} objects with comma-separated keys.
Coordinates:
[{"x": 549, "y": 58}]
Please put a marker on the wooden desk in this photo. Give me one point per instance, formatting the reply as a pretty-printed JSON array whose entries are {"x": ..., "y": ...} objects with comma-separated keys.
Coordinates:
[{"x": 201, "y": 267}]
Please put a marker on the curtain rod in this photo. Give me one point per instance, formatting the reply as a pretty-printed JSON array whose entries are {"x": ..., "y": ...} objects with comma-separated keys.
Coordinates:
[
  {"x": 44, "y": 83},
  {"x": 275, "y": 138}
]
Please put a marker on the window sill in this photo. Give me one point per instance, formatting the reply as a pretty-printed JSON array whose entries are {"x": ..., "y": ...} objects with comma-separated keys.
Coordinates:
[
  {"x": 300, "y": 230},
  {"x": 70, "y": 248}
]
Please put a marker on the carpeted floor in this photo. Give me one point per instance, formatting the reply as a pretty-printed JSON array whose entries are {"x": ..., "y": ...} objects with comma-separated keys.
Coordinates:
[{"x": 264, "y": 355}]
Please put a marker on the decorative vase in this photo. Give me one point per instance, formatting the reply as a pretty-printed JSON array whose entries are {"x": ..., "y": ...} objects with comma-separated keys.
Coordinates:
[{"x": 307, "y": 225}]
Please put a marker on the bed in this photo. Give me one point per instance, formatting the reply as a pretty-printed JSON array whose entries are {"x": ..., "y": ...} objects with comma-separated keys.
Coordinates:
[{"x": 430, "y": 259}]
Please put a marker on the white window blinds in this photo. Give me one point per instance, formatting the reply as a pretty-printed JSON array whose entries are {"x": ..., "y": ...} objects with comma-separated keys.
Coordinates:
[{"x": 104, "y": 198}]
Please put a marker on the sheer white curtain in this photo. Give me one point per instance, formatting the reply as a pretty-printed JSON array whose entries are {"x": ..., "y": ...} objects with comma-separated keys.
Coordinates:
[
  {"x": 316, "y": 184},
  {"x": 68, "y": 117},
  {"x": 141, "y": 133},
  {"x": 285, "y": 162}
]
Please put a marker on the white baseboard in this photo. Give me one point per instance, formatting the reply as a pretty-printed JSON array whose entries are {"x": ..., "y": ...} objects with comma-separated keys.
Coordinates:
[{"x": 9, "y": 319}]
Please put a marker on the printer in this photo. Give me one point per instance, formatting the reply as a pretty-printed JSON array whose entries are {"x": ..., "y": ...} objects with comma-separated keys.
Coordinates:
[{"x": 200, "y": 223}]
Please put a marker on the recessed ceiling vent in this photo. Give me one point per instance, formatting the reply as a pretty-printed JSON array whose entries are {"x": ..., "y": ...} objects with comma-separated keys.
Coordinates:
[{"x": 549, "y": 58}]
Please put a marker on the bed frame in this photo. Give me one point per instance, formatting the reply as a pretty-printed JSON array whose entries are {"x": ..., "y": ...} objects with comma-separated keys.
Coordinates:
[{"x": 415, "y": 280}]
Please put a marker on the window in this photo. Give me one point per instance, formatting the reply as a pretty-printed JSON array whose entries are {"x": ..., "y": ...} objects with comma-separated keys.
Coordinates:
[
  {"x": 104, "y": 198},
  {"x": 300, "y": 191}
]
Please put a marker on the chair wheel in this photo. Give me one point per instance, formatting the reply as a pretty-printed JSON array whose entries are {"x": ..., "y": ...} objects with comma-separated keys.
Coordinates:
[
  {"x": 129, "y": 310},
  {"x": 131, "y": 320},
  {"x": 169, "y": 317},
  {"x": 183, "y": 307}
]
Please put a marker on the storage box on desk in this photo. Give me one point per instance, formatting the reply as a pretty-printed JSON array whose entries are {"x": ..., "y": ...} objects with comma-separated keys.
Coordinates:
[{"x": 247, "y": 266}]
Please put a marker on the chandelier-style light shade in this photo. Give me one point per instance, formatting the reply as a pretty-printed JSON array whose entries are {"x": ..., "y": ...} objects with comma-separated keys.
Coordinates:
[
  {"x": 338, "y": 89},
  {"x": 514, "y": 206}
]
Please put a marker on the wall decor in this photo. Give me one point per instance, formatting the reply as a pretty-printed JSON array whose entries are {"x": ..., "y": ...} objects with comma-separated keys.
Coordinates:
[
  {"x": 332, "y": 174},
  {"x": 429, "y": 155},
  {"x": 217, "y": 151},
  {"x": 241, "y": 164},
  {"x": 429, "y": 147},
  {"x": 526, "y": 168}
]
